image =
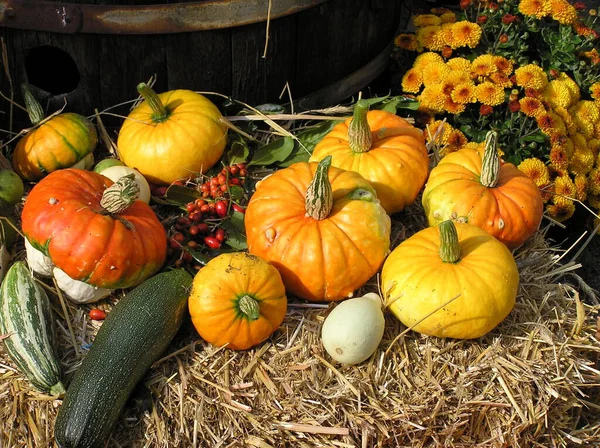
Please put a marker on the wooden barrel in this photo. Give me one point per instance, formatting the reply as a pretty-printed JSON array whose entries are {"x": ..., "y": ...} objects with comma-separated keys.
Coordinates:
[{"x": 94, "y": 55}]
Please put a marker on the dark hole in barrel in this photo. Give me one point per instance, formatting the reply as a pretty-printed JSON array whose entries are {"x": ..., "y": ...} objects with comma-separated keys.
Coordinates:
[{"x": 51, "y": 69}]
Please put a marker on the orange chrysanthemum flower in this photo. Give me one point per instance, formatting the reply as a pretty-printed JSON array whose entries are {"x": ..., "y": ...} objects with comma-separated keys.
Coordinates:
[
  {"x": 581, "y": 187},
  {"x": 531, "y": 106},
  {"x": 456, "y": 139},
  {"x": 465, "y": 34},
  {"x": 563, "y": 12},
  {"x": 557, "y": 94},
  {"x": 422, "y": 20},
  {"x": 412, "y": 81},
  {"x": 594, "y": 181},
  {"x": 571, "y": 85},
  {"x": 489, "y": 93},
  {"x": 559, "y": 158},
  {"x": 406, "y": 42},
  {"x": 595, "y": 91},
  {"x": 531, "y": 76},
  {"x": 434, "y": 132},
  {"x": 594, "y": 146},
  {"x": 452, "y": 107},
  {"x": 582, "y": 160},
  {"x": 464, "y": 93},
  {"x": 432, "y": 98},
  {"x": 504, "y": 65},
  {"x": 501, "y": 79},
  {"x": 426, "y": 36},
  {"x": 546, "y": 123},
  {"x": 535, "y": 8},
  {"x": 448, "y": 17},
  {"x": 536, "y": 170},
  {"x": 566, "y": 118},
  {"x": 593, "y": 56},
  {"x": 564, "y": 186},
  {"x": 434, "y": 73},
  {"x": 425, "y": 59}
]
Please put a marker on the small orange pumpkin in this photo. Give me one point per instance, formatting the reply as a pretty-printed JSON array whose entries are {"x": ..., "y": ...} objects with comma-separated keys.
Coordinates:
[
  {"x": 382, "y": 147},
  {"x": 237, "y": 300},
  {"x": 486, "y": 192}
]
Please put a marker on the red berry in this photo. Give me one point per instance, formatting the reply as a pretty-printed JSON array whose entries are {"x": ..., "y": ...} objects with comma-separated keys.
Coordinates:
[
  {"x": 179, "y": 237},
  {"x": 221, "y": 209},
  {"x": 243, "y": 172},
  {"x": 224, "y": 188},
  {"x": 96, "y": 314},
  {"x": 174, "y": 244},
  {"x": 235, "y": 181},
  {"x": 222, "y": 179},
  {"x": 205, "y": 208},
  {"x": 192, "y": 244},
  {"x": 220, "y": 235},
  {"x": 238, "y": 208},
  {"x": 190, "y": 207},
  {"x": 212, "y": 242},
  {"x": 196, "y": 216},
  {"x": 194, "y": 230},
  {"x": 202, "y": 227},
  {"x": 234, "y": 170},
  {"x": 160, "y": 191},
  {"x": 199, "y": 203}
]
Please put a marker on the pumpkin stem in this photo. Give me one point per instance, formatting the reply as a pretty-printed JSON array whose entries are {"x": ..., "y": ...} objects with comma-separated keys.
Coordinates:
[
  {"x": 159, "y": 111},
  {"x": 120, "y": 195},
  {"x": 33, "y": 106},
  {"x": 249, "y": 307},
  {"x": 449, "y": 245},
  {"x": 319, "y": 194},
  {"x": 490, "y": 165},
  {"x": 360, "y": 138}
]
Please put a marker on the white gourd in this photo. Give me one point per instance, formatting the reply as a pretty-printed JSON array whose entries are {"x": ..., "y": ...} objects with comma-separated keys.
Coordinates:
[
  {"x": 78, "y": 291},
  {"x": 353, "y": 330},
  {"x": 115, "y": 172},
  {"x": 37, "y": 261}
]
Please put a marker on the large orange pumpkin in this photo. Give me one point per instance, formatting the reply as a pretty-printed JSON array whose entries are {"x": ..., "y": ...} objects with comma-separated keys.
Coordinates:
[
  {"x": 173, "y": 135},
  {"x": 385, "y": 149},
  {"x": 237, "y": 300},
  {"x": 482, "y": 190},
  {"x": 60, "y": 142},
  {"x": 322, "y": 227},
  {"x": 94, "y": 230}
]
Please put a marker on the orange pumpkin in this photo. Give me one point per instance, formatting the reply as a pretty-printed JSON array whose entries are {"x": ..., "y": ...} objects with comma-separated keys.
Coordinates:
[
  {"x": 237, "y": 300},
  {"x": 322, "y": 227},
  {"x": 173, "y": 135},
  {"x": 93, "y": 229},
  {"x": 482, "y": 190},
  {"x": 385, "y": 149},
  {"x": 60, "y": 142}
]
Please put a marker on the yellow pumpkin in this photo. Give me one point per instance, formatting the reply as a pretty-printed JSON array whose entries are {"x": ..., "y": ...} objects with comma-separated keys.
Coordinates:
[
  {"x": 452, "y": 280},
  {"x": 383, "y": 148},
  {"x": 172, "y": 135}
]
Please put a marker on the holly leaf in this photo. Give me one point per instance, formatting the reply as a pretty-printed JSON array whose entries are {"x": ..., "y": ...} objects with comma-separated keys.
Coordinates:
[
  {"x": 238, "y": 153},
  {"x": 236, "y": 236},
  {"x": 276, "y": 151},
  {"x": 179, "y": 195}
]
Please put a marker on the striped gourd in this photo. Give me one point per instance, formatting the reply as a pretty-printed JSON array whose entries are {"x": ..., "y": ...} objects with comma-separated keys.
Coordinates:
[{"x": 26, "y": 323}]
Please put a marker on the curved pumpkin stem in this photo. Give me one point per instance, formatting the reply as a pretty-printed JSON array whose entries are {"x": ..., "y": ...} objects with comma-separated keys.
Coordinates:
[
  {"x": 360, "y": 138},
  {"x": 159, "y": 111},
  {"x": 449, "y": 244},
  {"x": 33, "y": 106},
  {"x": 249, "y": 307},
  {"x": 319, "y": 194},
  {"x": 490, "y": 165},
  {"x": 120, "y": 195}
]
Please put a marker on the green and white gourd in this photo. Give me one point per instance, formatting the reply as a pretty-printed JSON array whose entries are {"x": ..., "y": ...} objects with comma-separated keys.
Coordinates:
[{"x": 27, "y": 325}]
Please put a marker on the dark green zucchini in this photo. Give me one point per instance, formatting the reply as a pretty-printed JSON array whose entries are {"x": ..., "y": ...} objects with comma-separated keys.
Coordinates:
[{"x": 134, "y": 335}]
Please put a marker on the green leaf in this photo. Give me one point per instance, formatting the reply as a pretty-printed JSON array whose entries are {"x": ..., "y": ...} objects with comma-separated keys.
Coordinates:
[
  {"x": 271, "y": 153},
  {"x": 539, "y": 138},
  {"x": 310, "y": 137},
  {"x": 236, "y": 193},
  {"x": 180, "y": 195},
  {"x": 234, "y": 226},
  {"x": 299, "y": 154},
  {"x": 238, "y": 153},
  {"x": 271, "y": 108}
]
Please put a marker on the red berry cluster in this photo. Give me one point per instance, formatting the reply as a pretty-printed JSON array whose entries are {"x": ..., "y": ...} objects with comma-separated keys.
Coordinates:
[{"x": 200, "y": 227}]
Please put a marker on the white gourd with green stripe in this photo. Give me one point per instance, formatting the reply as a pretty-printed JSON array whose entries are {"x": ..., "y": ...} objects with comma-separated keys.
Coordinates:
[{"x": 26, "y": 323}]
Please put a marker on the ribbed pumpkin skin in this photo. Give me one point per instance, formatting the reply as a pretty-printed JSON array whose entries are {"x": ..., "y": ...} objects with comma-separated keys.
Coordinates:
[
  {"x": 214, "y": 300},
  {"x": 62, "y": 217},
  {"x": 415, "y": 282},
  {"x": 59, "y": 143},
  {"x": 511, "y": 211},
  {"x": 396, "y": 165},
  {"x": 26, "y": 319},
  {"x": 322, "y": 260},
  {"x": 190, "y": 140}
]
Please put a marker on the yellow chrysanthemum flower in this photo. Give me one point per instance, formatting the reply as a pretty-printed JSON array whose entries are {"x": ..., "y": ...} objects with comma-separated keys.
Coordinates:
[
  {"x": 501, "y": 80},
  {"x": 587, "y": 113},
  {"x": 459, "y": 64},
  {"x": 489, "y": 93},
  {"x": 457, "y": 76},
  {"x": 582, "y": 160},
  {"x": 563, "y": 12},
  {"x": 421, "y": 20},
  {"x": 456, "y": 139},
  {"x": 444, "y": 36},
  {"x": 581, "y": 187},
  {"x": 426, "y": 36},
  {"x": 434, "y": 73},
  {"x": 448, "y": 17},
  {"x": 433, "y": 132},
  {"x": 452, "y": 107},
  {"x": 536, "y": 170},
  {"x": 559, "y": 124},
  {"x": 432, "y": 98},
  {"x": 597, "y": 130},
  {"x": 483, "y": 65},
  {"x": 546, "y": 123},
  {"x": 412, "y": 81},
  {"x": 567, "y": 119},
  {"x": 504, "y": 65},
  {"x": 594, "y": 146},
  {"x": 564, "y": 186},
  {"x": 595, "y": 91},
  {"x": 535, "y": 8},
  {"x": 406, "y": 41},
  {"x": 571, "y": 85},
  {"x": 465, "y": 34},
  {"x": 557, "y": 94},
  {"x": 559, "y": 158},
  {"x": 531, "y": 76},
  {"x": 561, "y": 211},
  {"x": 425, "y": 59},
  {"x": 531, "y": 107},
  {"x": 593, "y": 200},
  {"x": 594, "y": 182},
  {"x": 464, "y": 93}
]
